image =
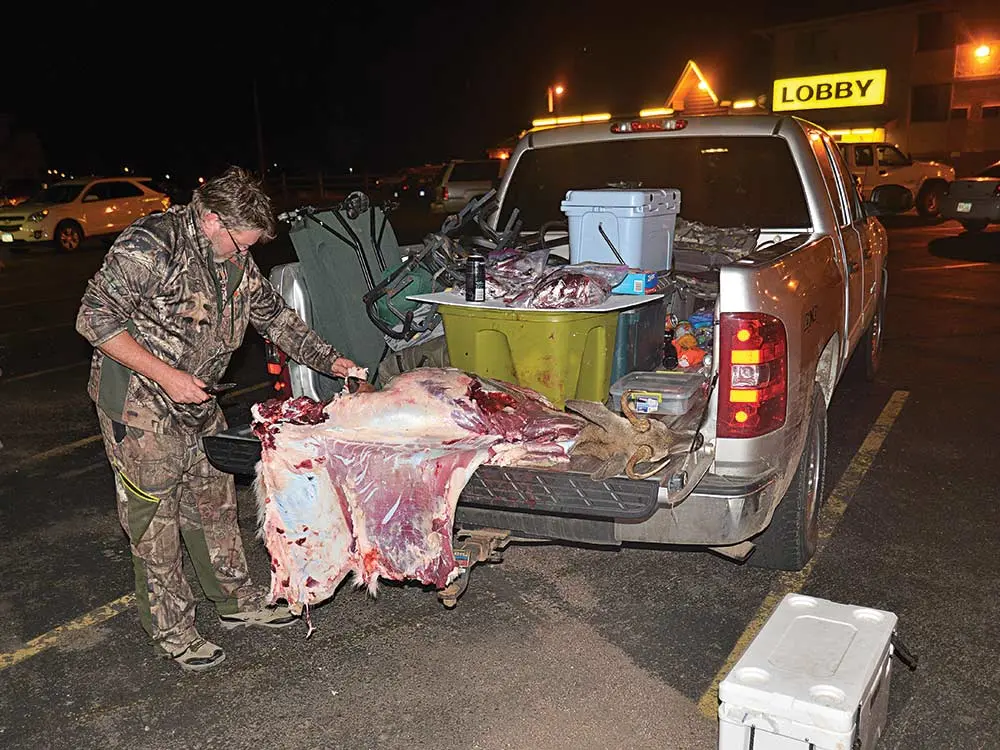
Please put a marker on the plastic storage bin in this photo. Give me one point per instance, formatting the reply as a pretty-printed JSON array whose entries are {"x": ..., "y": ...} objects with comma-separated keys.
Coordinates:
[
  {"x": 668, "y": 393},
  {"x": 815, "y": 677},
  {"x": 639, "y": 223},
  {"x": 639, "y": 341},
  {"x": 562, "y": 355}
]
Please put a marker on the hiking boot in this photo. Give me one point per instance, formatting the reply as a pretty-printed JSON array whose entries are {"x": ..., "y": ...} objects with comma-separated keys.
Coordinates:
[
  {"x": 200, "y": 655},
  {"x": 264, "y": 617}
]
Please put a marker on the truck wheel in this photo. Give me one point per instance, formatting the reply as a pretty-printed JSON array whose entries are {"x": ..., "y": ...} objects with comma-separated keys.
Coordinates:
[
  {"x": 929, "y": 200},
  {"x": 790, "y": 540},
  {"x": 974, "y": 226},
  {"x": 68, "y": 236},
  {"x": 870, "y": 346}
]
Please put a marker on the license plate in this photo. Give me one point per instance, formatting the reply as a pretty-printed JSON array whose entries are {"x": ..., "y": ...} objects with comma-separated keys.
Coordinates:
[
  {"x": 6, "y": 237},
  {"x": 963, "y": 208}
]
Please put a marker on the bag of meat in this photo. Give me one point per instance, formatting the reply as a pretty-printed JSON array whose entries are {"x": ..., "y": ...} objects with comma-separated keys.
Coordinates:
[{"x": 573, "y": 286}]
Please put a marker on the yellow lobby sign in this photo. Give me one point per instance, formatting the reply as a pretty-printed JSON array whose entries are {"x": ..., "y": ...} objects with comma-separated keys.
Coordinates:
[{"x": 862, "y": 88}]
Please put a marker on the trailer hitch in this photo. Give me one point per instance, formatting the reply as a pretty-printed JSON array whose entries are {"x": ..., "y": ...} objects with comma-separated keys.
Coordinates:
[{"x": 473, "y": 547}]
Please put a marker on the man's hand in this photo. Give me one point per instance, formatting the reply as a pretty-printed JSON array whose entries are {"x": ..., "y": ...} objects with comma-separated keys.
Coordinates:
[
  {"x": 342, "y": 366},
  {"x": 184, "y": 388}
]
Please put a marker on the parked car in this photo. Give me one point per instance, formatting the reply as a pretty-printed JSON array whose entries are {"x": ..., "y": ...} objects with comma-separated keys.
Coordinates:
[
  {"x": 875, "y": 164},
  {"x": 464, "y": 180},
  {"x": 66, "y": 212},
  {"x": 419, "y": 184},
  {"x": 15, "y": 191},
  {"x": 974, "y": 201}
]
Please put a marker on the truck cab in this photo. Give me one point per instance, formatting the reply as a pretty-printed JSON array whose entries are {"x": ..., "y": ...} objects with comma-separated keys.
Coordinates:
[{"x": 874, "y": 164}]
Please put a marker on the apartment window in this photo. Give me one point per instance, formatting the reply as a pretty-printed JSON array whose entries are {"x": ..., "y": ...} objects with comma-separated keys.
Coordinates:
[
  {"x": 930, "y": 103},
  {"x": 935, "y": 30},
  {"x": 959, "y": 113},
  {"x": 991, "y": 111}
]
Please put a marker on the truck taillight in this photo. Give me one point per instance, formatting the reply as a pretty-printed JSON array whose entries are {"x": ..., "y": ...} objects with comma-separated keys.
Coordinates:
[
  {"x": 277, "y": 368},
  {"x": 753, "y": 367},
  {"x": 444, "y": 193}
]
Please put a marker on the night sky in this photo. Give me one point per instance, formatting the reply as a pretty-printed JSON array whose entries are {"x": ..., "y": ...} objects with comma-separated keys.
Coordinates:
[{"x": 360, "y": 84}]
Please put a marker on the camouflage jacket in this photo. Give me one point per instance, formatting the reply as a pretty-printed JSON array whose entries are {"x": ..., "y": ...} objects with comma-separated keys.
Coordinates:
[{"x": 161, "y": 283}]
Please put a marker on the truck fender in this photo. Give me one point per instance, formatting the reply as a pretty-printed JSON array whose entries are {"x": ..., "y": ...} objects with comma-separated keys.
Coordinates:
[{"x": 828, "y": 367}]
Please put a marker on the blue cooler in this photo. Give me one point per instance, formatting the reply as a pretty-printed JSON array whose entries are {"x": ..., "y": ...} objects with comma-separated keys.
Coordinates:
[{"x": 638, "y": 223}]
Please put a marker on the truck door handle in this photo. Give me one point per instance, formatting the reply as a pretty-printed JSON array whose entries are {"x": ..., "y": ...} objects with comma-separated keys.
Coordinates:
[
  {"x": 853, "y": 268},
  {"x": 883, "y": 173}
]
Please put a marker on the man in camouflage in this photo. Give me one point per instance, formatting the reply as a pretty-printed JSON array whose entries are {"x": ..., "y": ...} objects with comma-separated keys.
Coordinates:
[{"x": 165, "y": 313}]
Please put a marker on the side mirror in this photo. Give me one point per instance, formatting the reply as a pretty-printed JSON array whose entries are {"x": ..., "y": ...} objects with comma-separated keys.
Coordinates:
[
  {"x": 89, "y": 198},
  {"x": 888, "y": 199}
]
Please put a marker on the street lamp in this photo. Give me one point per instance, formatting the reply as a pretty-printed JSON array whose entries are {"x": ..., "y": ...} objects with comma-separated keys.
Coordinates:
[
  {"x": 983, "y": 51},
  {"x": 553, "y": 92}
]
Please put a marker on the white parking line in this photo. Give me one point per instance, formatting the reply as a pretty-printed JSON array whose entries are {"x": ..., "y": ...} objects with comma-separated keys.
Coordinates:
[
  {"x": 248, "y": 389},
  {"x": 26, "y": 303},
  {"x": 59, "y": 450},
  {"x": 57, "y": 635},
  {"x": 948, "y": 267},
  {"x": 29, "y": 375},
  {"x": 833, "y": 510},
  {"x": 40, "y": 329}
]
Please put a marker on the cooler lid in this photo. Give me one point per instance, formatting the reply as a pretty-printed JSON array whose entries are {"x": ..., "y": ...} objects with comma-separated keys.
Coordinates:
[{"x": 623, "y": 197}]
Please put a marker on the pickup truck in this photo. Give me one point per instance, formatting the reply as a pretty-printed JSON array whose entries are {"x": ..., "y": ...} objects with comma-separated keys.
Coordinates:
[
  {"x": 788, "y": 317},
  {"x": 875, "y": 164}
]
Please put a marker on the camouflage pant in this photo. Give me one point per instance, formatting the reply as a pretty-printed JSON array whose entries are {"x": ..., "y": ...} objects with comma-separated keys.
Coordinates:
[
  {"x": 168, "y": 491},
  {"x": 433, "y": 353}
]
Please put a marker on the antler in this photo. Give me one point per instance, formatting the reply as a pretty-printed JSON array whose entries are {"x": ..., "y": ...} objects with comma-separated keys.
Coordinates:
[{"x": 641, "y": 424}]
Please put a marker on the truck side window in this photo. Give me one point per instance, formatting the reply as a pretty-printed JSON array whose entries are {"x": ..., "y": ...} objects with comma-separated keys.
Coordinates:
[
  {"x": 864, "y": 156},
  {"x": 849, "y": 187},
  {"x": 832, "y": 183},
  {"x": 891, "y": 157}
]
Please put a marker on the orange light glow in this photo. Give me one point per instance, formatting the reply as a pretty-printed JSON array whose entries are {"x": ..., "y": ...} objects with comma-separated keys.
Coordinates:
[
  {"x": 744, "y": 396},
  {"x": 746, "y": 356},
  {"x": 741, "y": 416},
  {"x": 983, "y": 51},
  {"x": 743, "y": 335}
]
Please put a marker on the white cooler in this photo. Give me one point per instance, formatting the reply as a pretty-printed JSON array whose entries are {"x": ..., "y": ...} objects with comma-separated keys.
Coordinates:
[
  {"x": 816, "y": 676},
  {"x": 639, "y": 223}
]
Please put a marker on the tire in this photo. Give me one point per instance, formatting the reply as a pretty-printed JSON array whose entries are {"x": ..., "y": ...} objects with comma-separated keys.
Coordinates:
[
  {"x": 68, "y": 236},
  {"x": 929, "y": 200},
  {"x": 789, "y": 542},
  {"x": 974, "y": 227},
  {"x": 870, "y": 346}
]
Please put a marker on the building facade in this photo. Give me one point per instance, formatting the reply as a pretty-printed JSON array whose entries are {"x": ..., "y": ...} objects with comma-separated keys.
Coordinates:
[{"x": 924, "y": 76}]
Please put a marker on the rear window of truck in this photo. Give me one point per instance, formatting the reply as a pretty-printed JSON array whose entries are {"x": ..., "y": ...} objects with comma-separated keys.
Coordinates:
[{"x": 725, "y": 181}]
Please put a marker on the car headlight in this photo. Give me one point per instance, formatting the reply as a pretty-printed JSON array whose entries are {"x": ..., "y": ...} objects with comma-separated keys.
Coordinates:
[{"x": 38, "y": 215}]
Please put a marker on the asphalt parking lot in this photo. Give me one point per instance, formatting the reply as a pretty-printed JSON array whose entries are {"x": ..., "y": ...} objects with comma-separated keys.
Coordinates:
[{"x": 558, "y": 646}]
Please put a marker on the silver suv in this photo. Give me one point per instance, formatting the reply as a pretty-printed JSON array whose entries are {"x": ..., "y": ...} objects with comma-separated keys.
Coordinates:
[{"x": 464, "y": 180}]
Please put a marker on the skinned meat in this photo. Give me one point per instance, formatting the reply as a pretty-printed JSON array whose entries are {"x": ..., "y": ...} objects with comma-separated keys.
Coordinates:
[{"x": 368, "y": 483}]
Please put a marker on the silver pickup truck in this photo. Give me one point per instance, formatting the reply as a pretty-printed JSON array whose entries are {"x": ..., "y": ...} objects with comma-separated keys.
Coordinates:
[{"x": 788, "y": 316}]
